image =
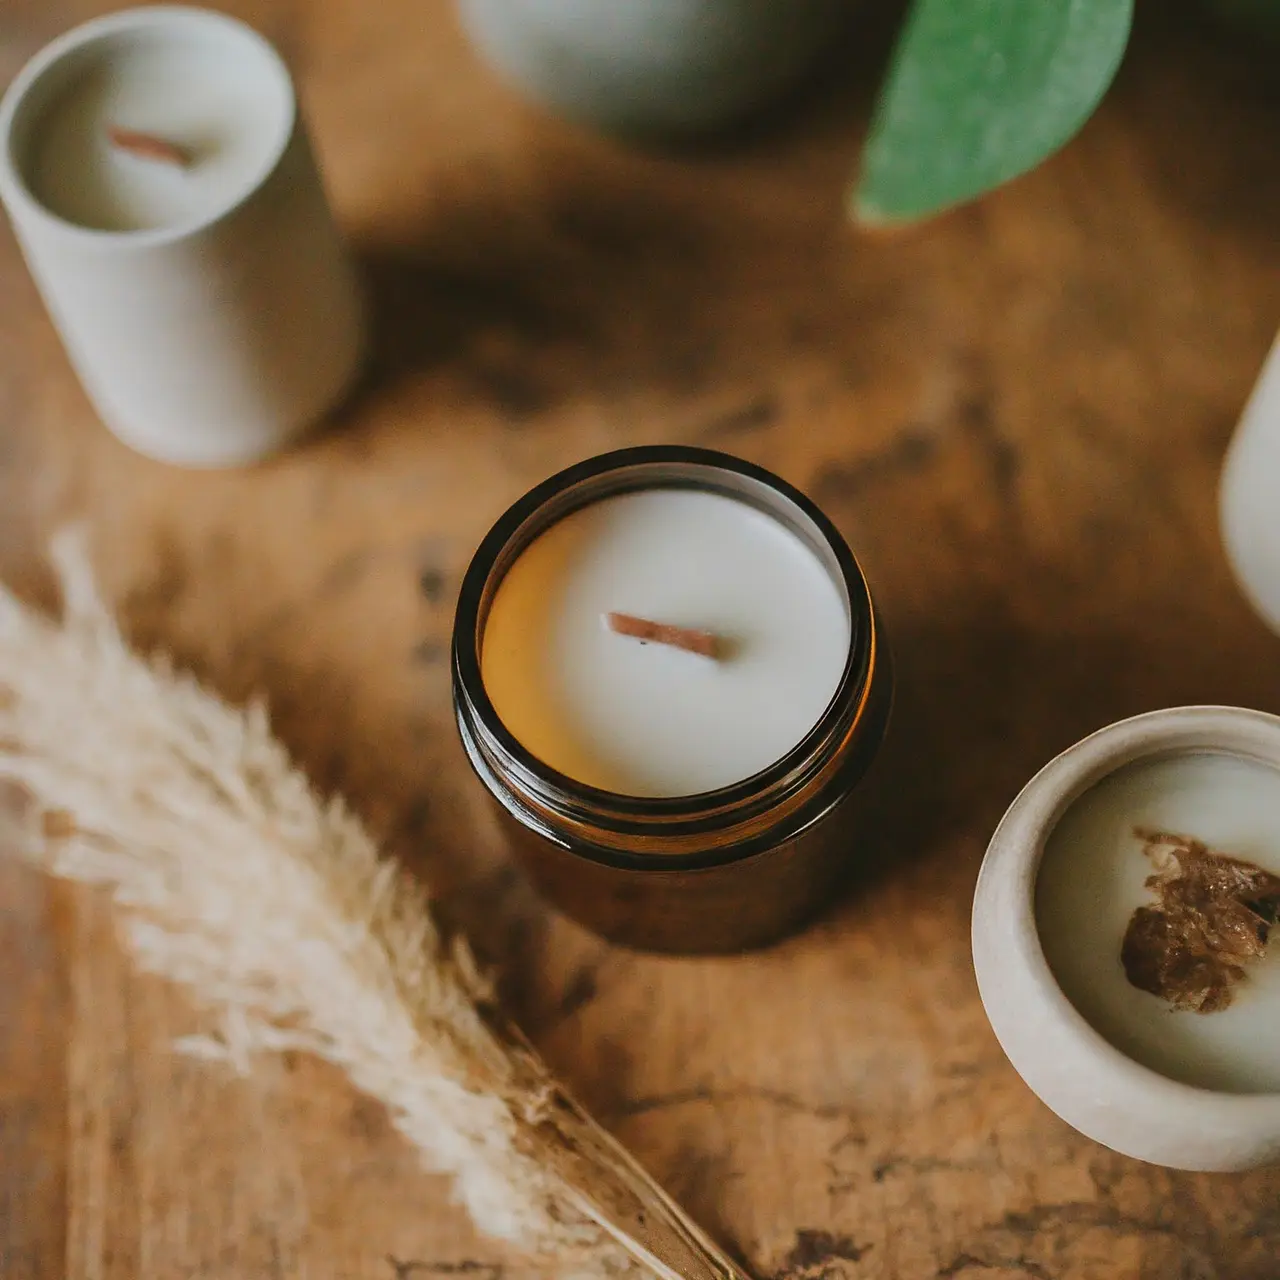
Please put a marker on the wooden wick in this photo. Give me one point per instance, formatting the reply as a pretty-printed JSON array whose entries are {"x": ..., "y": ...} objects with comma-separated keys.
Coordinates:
[
  {"x": 148, "y": 147},
  {"x": 701, "y": 642}
]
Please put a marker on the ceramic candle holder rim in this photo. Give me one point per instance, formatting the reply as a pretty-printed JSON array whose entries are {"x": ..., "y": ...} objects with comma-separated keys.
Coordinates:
[
  {"x": 637, "y": 815},
  {"x": 1006, "y": 934},
  {"x": 13, "y": 182}
]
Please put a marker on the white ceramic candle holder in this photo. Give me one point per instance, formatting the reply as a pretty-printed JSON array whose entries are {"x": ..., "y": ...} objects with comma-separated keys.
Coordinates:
[
  {"x": 1078, "y": 1073},
  {"x": 209, "y": 308},
  {"x": 1250, "y": 495}
]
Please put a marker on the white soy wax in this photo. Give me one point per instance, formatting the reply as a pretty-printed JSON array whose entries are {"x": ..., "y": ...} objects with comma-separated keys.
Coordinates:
[
  {"x": 1092, "y": 878},
  {"x": 648, "y": 719},
  {"x": 206, "y": 95}
]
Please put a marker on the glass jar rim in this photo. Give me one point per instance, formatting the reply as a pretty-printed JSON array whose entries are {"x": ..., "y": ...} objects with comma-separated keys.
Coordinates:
[{"x": 668, "y": 466}]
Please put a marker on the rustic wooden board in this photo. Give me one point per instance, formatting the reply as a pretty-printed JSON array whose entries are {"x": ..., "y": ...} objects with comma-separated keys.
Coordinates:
[{"x": 1016, "y": 415}]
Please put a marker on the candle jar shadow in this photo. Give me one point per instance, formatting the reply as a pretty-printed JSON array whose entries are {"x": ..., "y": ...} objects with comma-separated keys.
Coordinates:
[
  {"x": 613, "y": 270},
  {"x": 981, "y": 704},
  {"x": 522, "y": 308}
]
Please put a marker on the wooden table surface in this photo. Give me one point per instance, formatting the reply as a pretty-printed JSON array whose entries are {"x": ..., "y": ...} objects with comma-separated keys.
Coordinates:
[{"x": 1016, "y": 414}]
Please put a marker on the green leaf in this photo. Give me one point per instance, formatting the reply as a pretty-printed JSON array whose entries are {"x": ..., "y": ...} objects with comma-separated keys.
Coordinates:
[{"x": 979, "y": 92}]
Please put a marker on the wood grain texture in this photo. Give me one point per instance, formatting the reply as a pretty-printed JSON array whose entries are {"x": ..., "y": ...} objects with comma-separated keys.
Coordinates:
[{"x": 1016, "y": 414}]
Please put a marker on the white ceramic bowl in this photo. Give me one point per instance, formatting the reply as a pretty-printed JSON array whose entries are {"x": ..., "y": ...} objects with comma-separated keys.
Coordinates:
[
  {"x": 654, "y": 67},
  {"x": 1086, "y": 1080}
]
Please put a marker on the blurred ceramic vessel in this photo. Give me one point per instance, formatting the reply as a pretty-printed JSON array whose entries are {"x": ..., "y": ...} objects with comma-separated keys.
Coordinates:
[
  {"x": 654, "y": 67},
  {"x": 1250, "y": 495}
]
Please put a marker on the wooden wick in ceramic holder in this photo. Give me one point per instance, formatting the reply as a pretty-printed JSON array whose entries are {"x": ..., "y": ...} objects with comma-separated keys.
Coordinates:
[{"x": 148, "y": 146}]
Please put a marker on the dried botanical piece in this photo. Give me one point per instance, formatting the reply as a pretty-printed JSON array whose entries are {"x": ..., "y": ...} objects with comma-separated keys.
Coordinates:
[
  {"x": 276, "y": 912},
  {"x": 1213, "y": 915}
]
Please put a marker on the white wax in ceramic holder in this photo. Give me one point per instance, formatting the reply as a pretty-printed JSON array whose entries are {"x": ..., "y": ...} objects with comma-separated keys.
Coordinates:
[
  {"x": 162, "y": 187},
  {"x": 1183, "y": 1071},
  {"x": 668, "y": 672}
]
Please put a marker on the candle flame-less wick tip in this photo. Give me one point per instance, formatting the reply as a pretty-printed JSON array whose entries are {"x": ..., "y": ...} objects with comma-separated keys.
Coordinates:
[
  {"x": 704, "y": 643},
  {"x": 148, "y": 146}
]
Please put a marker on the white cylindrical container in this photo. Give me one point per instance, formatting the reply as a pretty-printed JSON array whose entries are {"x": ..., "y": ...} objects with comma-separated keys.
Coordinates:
[
  {"x": 1120, "y": 932},
  {"x": 1250, "y": 495},
  {"x": 161, "y": 184}
]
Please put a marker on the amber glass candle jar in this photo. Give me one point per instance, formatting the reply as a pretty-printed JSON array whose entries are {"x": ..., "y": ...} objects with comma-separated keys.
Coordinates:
[{"x": 669, "y": 675}]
